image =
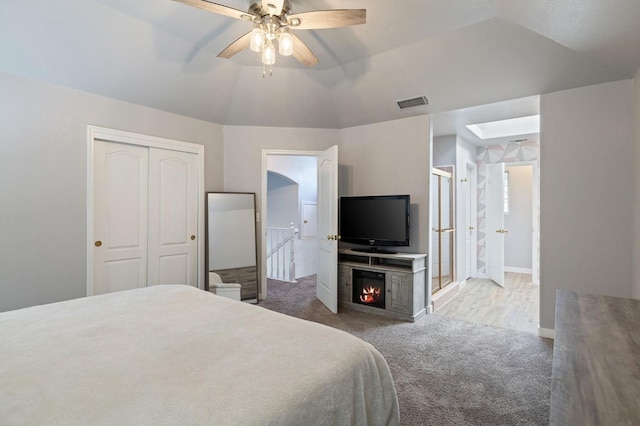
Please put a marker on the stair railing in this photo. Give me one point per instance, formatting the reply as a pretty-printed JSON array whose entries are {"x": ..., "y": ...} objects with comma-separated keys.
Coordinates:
[{"x": 281, "y": 263}]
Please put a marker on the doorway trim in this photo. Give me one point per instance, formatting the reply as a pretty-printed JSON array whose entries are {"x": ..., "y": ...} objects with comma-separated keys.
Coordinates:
[
  {"x": 96, "y": 133},
  {"x": 262, "y": 288}
]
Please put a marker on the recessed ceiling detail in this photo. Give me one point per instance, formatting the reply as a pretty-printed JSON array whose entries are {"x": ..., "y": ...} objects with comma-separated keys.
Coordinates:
[{"x": 506, "y": 128}]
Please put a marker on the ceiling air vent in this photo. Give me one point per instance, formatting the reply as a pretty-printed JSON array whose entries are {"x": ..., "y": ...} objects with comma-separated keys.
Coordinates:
[{"x": 410, "y": 103}]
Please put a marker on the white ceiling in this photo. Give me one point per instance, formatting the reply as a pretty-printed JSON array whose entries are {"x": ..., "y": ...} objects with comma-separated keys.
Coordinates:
[{"x": 458, "y": 53}]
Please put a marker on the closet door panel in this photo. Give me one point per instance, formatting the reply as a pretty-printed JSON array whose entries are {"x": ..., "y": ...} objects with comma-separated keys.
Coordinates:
[
  {"x": 173, "y": 224},
  {"x": 120, "y": 216}
]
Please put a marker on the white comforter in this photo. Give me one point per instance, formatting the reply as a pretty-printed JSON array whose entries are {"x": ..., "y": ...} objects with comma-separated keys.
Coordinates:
[{"x": 178, "y": 355}]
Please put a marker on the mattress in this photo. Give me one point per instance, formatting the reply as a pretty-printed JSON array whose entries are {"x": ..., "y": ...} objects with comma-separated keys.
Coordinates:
[{"x": 179, "y": 355}]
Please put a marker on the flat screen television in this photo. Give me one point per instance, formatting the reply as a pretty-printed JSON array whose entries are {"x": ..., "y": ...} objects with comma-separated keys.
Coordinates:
[{"x": 375, "y": 221}]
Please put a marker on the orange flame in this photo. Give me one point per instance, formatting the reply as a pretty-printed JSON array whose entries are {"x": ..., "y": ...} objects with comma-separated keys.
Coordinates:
[{"x": 370, "y": 294}]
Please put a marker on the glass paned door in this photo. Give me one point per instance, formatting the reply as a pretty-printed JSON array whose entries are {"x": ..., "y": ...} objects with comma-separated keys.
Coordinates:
[{"x": 442, "y": 253}]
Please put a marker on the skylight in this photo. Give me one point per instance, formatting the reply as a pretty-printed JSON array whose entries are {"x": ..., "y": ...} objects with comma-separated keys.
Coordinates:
[{"x": 506, "y": 128}]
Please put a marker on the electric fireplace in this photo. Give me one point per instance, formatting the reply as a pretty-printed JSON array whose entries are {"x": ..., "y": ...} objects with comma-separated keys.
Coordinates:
[{"x": 368, "y": 288}]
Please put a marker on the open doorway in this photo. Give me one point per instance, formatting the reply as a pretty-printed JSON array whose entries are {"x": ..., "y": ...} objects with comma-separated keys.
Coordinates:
[
  {"x": 291, "y": 217},
  {"x": 474, "y": 296},
  {"x": 520, "y": 248},
  {"x": 322, "y": 244}
]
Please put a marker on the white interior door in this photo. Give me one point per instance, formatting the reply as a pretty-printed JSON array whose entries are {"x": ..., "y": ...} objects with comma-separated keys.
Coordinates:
[
  {"x": 495, "y": 222},
  {"x": 173, "y": 218},
  {"x": 120, "y": 217},
  {"x": 327, "y": 282}
]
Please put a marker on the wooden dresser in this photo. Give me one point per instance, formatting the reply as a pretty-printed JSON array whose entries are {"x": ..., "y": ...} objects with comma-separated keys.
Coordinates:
[{"x": 596, "y": 361}]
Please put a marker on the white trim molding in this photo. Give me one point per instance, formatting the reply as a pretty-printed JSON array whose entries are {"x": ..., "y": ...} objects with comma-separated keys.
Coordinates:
[
  {"x": 547, "y": 333},
  {"x": 518, "y": 270}
]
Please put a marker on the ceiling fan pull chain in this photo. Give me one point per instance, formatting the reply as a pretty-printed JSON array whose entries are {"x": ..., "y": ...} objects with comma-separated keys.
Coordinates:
[{"x": 264, "y": 70}]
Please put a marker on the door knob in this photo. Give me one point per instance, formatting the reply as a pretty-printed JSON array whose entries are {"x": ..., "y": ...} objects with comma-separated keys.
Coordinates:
[
  {"x": 471, "y": 228},
  {"x": 193, "y": 237},
  {"x": 98, "y": 243}
]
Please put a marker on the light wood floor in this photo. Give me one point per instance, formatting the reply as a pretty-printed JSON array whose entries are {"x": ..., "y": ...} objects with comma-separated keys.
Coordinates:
[{"x": 481, "y": 301}]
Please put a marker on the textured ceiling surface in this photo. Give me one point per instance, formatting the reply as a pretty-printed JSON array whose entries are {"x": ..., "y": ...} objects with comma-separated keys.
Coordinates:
[{"x": 458, "y": 53}]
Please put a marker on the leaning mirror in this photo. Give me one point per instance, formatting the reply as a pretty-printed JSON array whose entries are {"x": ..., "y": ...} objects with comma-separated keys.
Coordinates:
[{"x": 231, "y": 244}]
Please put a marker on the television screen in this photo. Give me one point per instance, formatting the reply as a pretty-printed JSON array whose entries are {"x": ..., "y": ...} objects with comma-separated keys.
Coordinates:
[{"x": 381, "y": 220}]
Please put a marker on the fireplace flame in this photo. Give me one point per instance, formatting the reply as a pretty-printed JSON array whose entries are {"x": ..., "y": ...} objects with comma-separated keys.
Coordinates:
[{"x": 370, "y": 294}]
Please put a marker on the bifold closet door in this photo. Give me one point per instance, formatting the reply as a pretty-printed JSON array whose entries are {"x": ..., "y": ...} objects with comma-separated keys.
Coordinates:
[
  {"x": 145, "y": 217},
  {"x": 120, "y": 216},
  {"x": 173, "y": 217}
]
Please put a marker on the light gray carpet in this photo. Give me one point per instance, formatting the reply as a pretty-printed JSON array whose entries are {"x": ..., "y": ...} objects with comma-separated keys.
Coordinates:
[{"x": 446, "y": 371}]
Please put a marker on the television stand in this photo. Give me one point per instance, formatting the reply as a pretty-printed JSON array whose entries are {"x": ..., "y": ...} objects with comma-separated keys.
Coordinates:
[{"x": 401, "y": 277}]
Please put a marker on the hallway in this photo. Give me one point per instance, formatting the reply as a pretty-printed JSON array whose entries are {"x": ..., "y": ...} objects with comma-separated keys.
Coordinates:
[{"x": 481, "y": 301}]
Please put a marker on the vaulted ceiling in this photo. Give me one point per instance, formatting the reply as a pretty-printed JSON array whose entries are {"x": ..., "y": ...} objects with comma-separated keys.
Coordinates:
[{"x": 458, "y": 53}]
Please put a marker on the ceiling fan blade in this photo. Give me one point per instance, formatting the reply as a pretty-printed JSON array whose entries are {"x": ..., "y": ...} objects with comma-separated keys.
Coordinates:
[
  {"x": 327, "y": 19},
  {"x": 273, "y": 7},
  {"x": 218, "y": 8},
  {"x": 235, "y": 47},
  {"x": 302, "y": 53}
]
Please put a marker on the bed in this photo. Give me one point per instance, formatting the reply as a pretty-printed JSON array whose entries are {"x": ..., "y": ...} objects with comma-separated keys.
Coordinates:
[{"x": 178, "y": 355}]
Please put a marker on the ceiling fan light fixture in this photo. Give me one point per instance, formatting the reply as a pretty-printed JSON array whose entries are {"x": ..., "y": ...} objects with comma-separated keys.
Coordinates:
[
  {"x": 285, "y": 43},
  {"x": 258, "y": 39},
  {"x": 269, "y": 54},
  {"x": 269, "y": 26}
]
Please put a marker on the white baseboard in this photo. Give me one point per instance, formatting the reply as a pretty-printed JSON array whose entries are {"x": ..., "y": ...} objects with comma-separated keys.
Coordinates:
[
  {"x": 518, "y": 270},
  {"x": 547, "y": 333},
  {"x": 463, "y": 284}
]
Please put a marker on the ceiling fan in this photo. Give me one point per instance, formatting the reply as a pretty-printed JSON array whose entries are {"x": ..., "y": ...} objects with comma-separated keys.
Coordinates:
[{"x": 272, "y": 22}]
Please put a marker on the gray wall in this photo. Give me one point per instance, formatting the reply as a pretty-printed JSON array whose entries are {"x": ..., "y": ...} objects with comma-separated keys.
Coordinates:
[
  {"x": 444, "y": 150},
  {"x": 391, "y": 158},
  {"x": 43, "y": 156},
  {"x": 586, "y": 193}
]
